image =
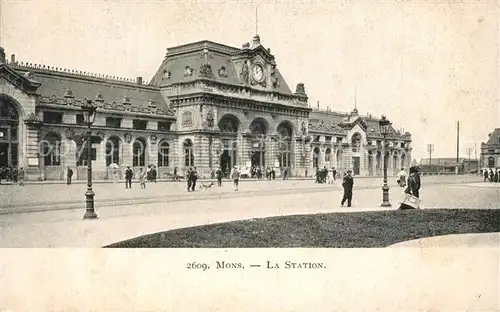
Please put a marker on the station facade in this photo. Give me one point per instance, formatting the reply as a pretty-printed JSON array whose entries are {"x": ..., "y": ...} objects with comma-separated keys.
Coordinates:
[{"x": 208, "y": 105}]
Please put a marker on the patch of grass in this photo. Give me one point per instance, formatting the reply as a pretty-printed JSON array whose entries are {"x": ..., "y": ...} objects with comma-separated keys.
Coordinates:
[{"x": 334, "y": 230}]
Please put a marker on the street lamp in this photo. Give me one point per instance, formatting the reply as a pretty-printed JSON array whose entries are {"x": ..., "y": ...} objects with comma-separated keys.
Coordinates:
[
  {"x": 385, "y": 125},
  {"x": 89, "y": 113}
]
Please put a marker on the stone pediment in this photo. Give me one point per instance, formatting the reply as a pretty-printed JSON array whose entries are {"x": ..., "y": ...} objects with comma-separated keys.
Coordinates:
[{"x": 23, "y": 82}]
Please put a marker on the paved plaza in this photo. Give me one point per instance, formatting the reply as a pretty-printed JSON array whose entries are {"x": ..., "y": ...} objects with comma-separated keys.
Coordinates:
[{"x": 165, "y": 206}]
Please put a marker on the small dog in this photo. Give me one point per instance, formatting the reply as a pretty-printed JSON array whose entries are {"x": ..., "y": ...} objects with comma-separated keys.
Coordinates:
[{"x": 206, "y": 186}]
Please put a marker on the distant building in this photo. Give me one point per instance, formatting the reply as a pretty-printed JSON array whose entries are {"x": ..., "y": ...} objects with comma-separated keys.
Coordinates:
[
  {"x": 208, "y": 105},
  {"x": 490, "y": 151},
  {"x": 448, "y": 165}
]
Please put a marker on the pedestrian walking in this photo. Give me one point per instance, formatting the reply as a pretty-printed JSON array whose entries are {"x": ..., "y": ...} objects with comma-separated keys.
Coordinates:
[
  {"x": 330, "y": 176},
  {"x": 189, "y": 179},
  {"x": 128, "y": 177},
  {"x": 21, "y": 176},
  {"x": 235, "y": 175},
  {"x": 194, "y": 178},
  {"x": 143, "y": 176},
  {"x": 69, "y": 176},
  {"x": 402, "y": 178},
  {"x": 347, "y": 184},
  {"x": 334, "y": 172},
  {"x": 218, "y": 175}
]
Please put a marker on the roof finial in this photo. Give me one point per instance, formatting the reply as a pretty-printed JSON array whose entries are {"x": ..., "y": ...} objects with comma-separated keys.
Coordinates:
[
  {"x": 355, "y": 110},
  {"x": 355, "y": 99}
]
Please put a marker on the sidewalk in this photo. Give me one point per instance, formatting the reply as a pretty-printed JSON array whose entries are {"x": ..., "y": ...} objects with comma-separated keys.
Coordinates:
[
  {"x": 68, "y": 229},
  {"x": 454, "y": 241},
  {"x": 106, "y": 194}
]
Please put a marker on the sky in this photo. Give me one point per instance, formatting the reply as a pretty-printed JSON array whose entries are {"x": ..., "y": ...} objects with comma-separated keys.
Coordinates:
[{"x": 424, "y": 64}]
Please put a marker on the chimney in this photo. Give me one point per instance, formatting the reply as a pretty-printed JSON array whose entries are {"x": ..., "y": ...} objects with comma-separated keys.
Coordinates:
[
  {"x": 138, "y": 80},
  {"x": 13, "y": 58}
]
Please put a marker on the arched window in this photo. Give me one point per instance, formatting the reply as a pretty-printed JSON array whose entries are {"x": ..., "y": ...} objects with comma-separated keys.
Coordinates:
[
  {"x": 356, "y": 142},
  {"x": 139, "y": 152},
  {"x": 51, "y": 149},
  {"x": 163, "y": 154},
  {"x": 112, "y": 151},
  {"x": 328, "y": 155},
  {"x": 491, "y": 162},
  {"x": 285, "y": 144},
  {"x": 188, "y": 153},
  {"x": 9, "y": 128},
  {"x": 316, "y": 157}
]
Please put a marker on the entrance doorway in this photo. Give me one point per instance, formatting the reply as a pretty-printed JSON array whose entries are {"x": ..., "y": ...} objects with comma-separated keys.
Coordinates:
[
  {"x": 257, "y": 159},
  {"x": 228, "y": 156},
  {"x": 355, "y": 165},
  {"x": 227, "y": 162}
]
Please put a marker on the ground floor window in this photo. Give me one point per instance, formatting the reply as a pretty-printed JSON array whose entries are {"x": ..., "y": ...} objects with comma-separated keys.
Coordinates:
[
  {"x": 163, "y": 154},
  {"x": 188, "y": 153},
  {"x": 112, "y": 151},
  {"x": 52, "y": 150},
  {"x": 139, "y": 153}
]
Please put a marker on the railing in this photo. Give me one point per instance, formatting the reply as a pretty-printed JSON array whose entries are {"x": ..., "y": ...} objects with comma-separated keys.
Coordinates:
[{"x": 49, "y": 68}]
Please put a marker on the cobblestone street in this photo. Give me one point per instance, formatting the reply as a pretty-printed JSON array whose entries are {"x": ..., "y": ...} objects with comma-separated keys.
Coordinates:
[{"x": 65, "y": 228}]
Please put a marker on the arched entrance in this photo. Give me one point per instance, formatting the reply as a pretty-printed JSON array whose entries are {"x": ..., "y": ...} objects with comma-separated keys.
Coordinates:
[
  {"x": 228, "y": 126},
  {"x": 285, "y": 132},
  {"x": 9, "y": 133},
  {"x": 258, "y": 129}
]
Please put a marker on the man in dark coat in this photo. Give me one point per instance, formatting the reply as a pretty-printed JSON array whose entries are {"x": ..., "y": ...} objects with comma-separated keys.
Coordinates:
[
  {"x": 128, "y": 177},
  {"x": 69, "y": 175},
  {"x": 218, "y": 175},
  {"x": 194, "y": 177},
  {"x": 347, "y": 184}
]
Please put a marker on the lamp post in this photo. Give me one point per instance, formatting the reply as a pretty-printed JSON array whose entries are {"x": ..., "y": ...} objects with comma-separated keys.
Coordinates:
[
  {"x": 385, "y": 125},
  {"x": 89, "y": 113}
]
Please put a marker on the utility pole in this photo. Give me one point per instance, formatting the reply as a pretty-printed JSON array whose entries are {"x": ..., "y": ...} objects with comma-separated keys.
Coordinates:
[
  {"x": 458, "y": 139},
  {"x": 430, "y": 149}
]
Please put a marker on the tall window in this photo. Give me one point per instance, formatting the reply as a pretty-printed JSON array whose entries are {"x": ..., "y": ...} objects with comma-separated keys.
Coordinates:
[
  {"x": 163, "y": 154},
  {"x": 316, "y": 157},
  {"x": 112, "y": 151},
  {"x": 164, "y": 126},
  {"x": 81, "y": 153},
  {"x": 112, "y": 122},
  {"x": 52, "y": 150},
  {"x": 52, "y": 117},
  {"x": 188, "y": 153},
  {"x": 140, "y": 124},
  {"x": 328, "y": 155},
  {"x": 139, "y": 152}
]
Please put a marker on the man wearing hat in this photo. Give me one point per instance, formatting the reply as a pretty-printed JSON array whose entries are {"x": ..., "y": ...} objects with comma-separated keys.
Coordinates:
[{"x": 347, "y": 184}]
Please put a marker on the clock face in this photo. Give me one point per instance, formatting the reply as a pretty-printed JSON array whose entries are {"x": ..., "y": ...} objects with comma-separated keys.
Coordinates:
[{"x": 257, "y": 73}]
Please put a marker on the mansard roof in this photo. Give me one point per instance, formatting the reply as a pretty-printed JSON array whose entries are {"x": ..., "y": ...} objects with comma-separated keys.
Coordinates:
[
  {"x": 493, "y": 137},
  {"x": 55, "y": 83},
  {"x": 223, "y": 60},
  {"x": 340, "y": 122}
]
